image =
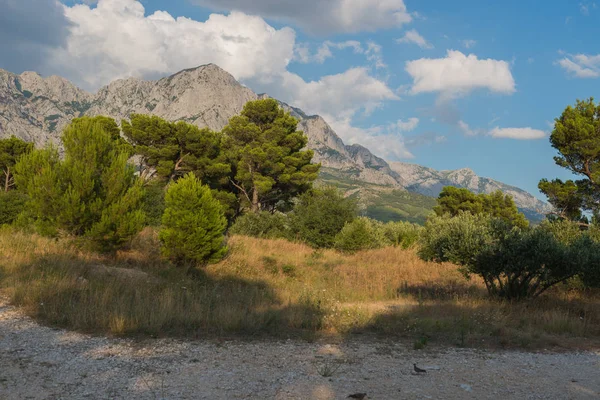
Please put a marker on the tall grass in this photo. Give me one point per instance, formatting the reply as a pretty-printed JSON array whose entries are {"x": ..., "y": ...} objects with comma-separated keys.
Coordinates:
[{"x": 281, "y": 289}]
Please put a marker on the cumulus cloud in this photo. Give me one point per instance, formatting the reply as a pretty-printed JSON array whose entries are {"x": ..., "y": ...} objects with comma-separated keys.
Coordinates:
[
  {"x": 116, "y": 39},
  {"x": 29, "y": 31},
  {"x": 338, "y": 96},
  {"x": 303, "y": 53},
  {"x": 321, "y": 17},
  {"x": 581, "y": 65},
  {"x": 413, "y": 36},
  {"x": 458, "y": 74},
  {"x": 517, "y": 133}
]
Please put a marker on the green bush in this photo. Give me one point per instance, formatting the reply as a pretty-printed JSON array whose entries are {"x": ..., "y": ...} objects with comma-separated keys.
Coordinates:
[
  {"x": 193, "y": 224},
  {"x": 320, "y": 215},
  {"x": 455, "y": 239},
  {"x": 361, "y": 234},
  {"x": 563, "y": 230},
  {"x": 514, "y": 263},
  {"x": 402, "y": 234},
  {"x": 263, "y": 224},
  {"x": 12, "y": 203}
]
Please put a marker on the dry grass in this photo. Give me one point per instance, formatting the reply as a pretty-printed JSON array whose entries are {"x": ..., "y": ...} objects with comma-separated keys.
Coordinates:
[{"x": 282, "y": 289}]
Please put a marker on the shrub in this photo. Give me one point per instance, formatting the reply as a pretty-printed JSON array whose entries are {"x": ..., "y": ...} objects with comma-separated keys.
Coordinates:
[
  {"x": 320, "y": 215},
  {"x": 12, "y": 203},
  {"x": 455, "y": 239},
  {"x": 563, "y": 230},
  {"x": 514, "y": 263},
  {"x": 402, "y": 234},
  {"x": 263, "y": 225},
  {"x": 193, "y": 224},
  {"x": 361, "y": 234}
]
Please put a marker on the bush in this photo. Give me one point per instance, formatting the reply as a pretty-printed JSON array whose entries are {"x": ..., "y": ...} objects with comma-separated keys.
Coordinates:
[
  {"x": 193, "y": 224},
  {"x": 402, "y": 234},
  {"x": 563, "y": 230},
  {"x": 12, "y": 203},
  {"x": 361, "y": 234},
  {"x": 514, "y": 263},
  {"x": 455, "y": 239},
  {"x": 320, "y": 215},
  {"x": 262, "y": 225}
]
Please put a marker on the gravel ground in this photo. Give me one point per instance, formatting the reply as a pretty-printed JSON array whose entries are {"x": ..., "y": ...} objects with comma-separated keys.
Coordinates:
[{"x": 38, "y": 362}]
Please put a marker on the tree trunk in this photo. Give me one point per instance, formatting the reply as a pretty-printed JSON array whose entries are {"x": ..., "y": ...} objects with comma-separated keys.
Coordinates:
[
  {"x": 255, "y": 203},
  {"x": 6, "y": 180}
]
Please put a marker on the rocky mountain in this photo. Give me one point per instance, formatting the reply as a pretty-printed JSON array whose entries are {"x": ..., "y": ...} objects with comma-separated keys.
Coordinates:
[
  {"x": 36, "y": 109},
  {"x": 429, "y": 182}
]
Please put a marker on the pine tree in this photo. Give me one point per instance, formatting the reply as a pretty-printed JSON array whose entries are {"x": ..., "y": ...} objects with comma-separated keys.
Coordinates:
[
  {"x": 11, "y": 150},
  {"x": 92, "y": 193},
  {"x": 169, "y": 150},
  {"x": 576, "y": 136},
  {"x": 193, "y": 223},
  {"x": 454, "y": 200},
  {"x": 269, "y": 167}
]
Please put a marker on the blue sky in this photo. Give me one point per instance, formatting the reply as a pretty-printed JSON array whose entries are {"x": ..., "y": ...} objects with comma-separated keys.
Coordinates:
[{"x": 443, "y": 84}]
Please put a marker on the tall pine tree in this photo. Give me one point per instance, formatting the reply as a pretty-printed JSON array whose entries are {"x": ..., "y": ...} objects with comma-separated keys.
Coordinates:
[{"x": 264, "y": 149}]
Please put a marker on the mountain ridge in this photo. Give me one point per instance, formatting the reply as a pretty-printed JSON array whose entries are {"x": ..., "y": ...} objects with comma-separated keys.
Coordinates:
[{"x": 37, "y": 109}]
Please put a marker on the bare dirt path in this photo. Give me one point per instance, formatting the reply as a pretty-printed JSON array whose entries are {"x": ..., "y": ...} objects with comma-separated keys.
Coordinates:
[{"x": 38, "y": 362}]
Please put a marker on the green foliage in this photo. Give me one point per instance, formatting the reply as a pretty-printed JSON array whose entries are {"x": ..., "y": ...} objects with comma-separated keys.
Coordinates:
[
  {"x": 564, "y": 196},
  {"x": 264, "y": 149},
  {"x": 92, "y": 193},
  {"x": 361, "y": 234},
  {"x": 12, "y": 203},
  {"x": 320, "y": 215},
  {"x": 153, "y": 203},
  {"x": 402, "y": 234},
  {"x": 454, "y": 200},
  {"x": 455, "y": 239},
  {"x": 193, "y": 223},
  {"x": 263, "y": 225},
  {"x": 11, "y": 150},
  {"x": 514, "y": 263},
  {"x": 172, "y": 149},
  {"x": 563, "y": 230},
  {"x": 576, "y": 136}
]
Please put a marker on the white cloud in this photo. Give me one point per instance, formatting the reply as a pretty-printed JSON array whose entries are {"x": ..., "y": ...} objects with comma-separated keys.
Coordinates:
[
  {"x": 116, "y": 39},
  {"x": 517, "y": 133},
  {"x": 467, "y": 130},
  {"x": 303, "y": 54},
  {"x": 468, "y": 43},
  {"x": 458, "y": 74},
  {"x": 318, "y": 16},
  {"x": 413, "y": 36},
  {"x": 581, "y": 65},
  {"x": 339, "y": 96},
  {"x": 382, "y": 141}
]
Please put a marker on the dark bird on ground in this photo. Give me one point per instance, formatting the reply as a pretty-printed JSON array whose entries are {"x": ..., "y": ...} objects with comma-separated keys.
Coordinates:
[
  {"x": 359, "y": 396},
  {"x": 419, "y": 370}
]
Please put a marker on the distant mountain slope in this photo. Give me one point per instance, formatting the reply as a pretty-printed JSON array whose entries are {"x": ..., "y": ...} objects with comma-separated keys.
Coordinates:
[
  {"x": 430, "y": 182},
  {"x": 37, "y": 109}
]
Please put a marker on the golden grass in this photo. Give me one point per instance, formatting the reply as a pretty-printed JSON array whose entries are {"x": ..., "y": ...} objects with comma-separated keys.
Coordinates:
[{"x": 283, "y": 289}]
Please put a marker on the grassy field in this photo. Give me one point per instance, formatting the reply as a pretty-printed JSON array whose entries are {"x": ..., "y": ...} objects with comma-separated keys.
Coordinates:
[{"x": 275, "y": 288}]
